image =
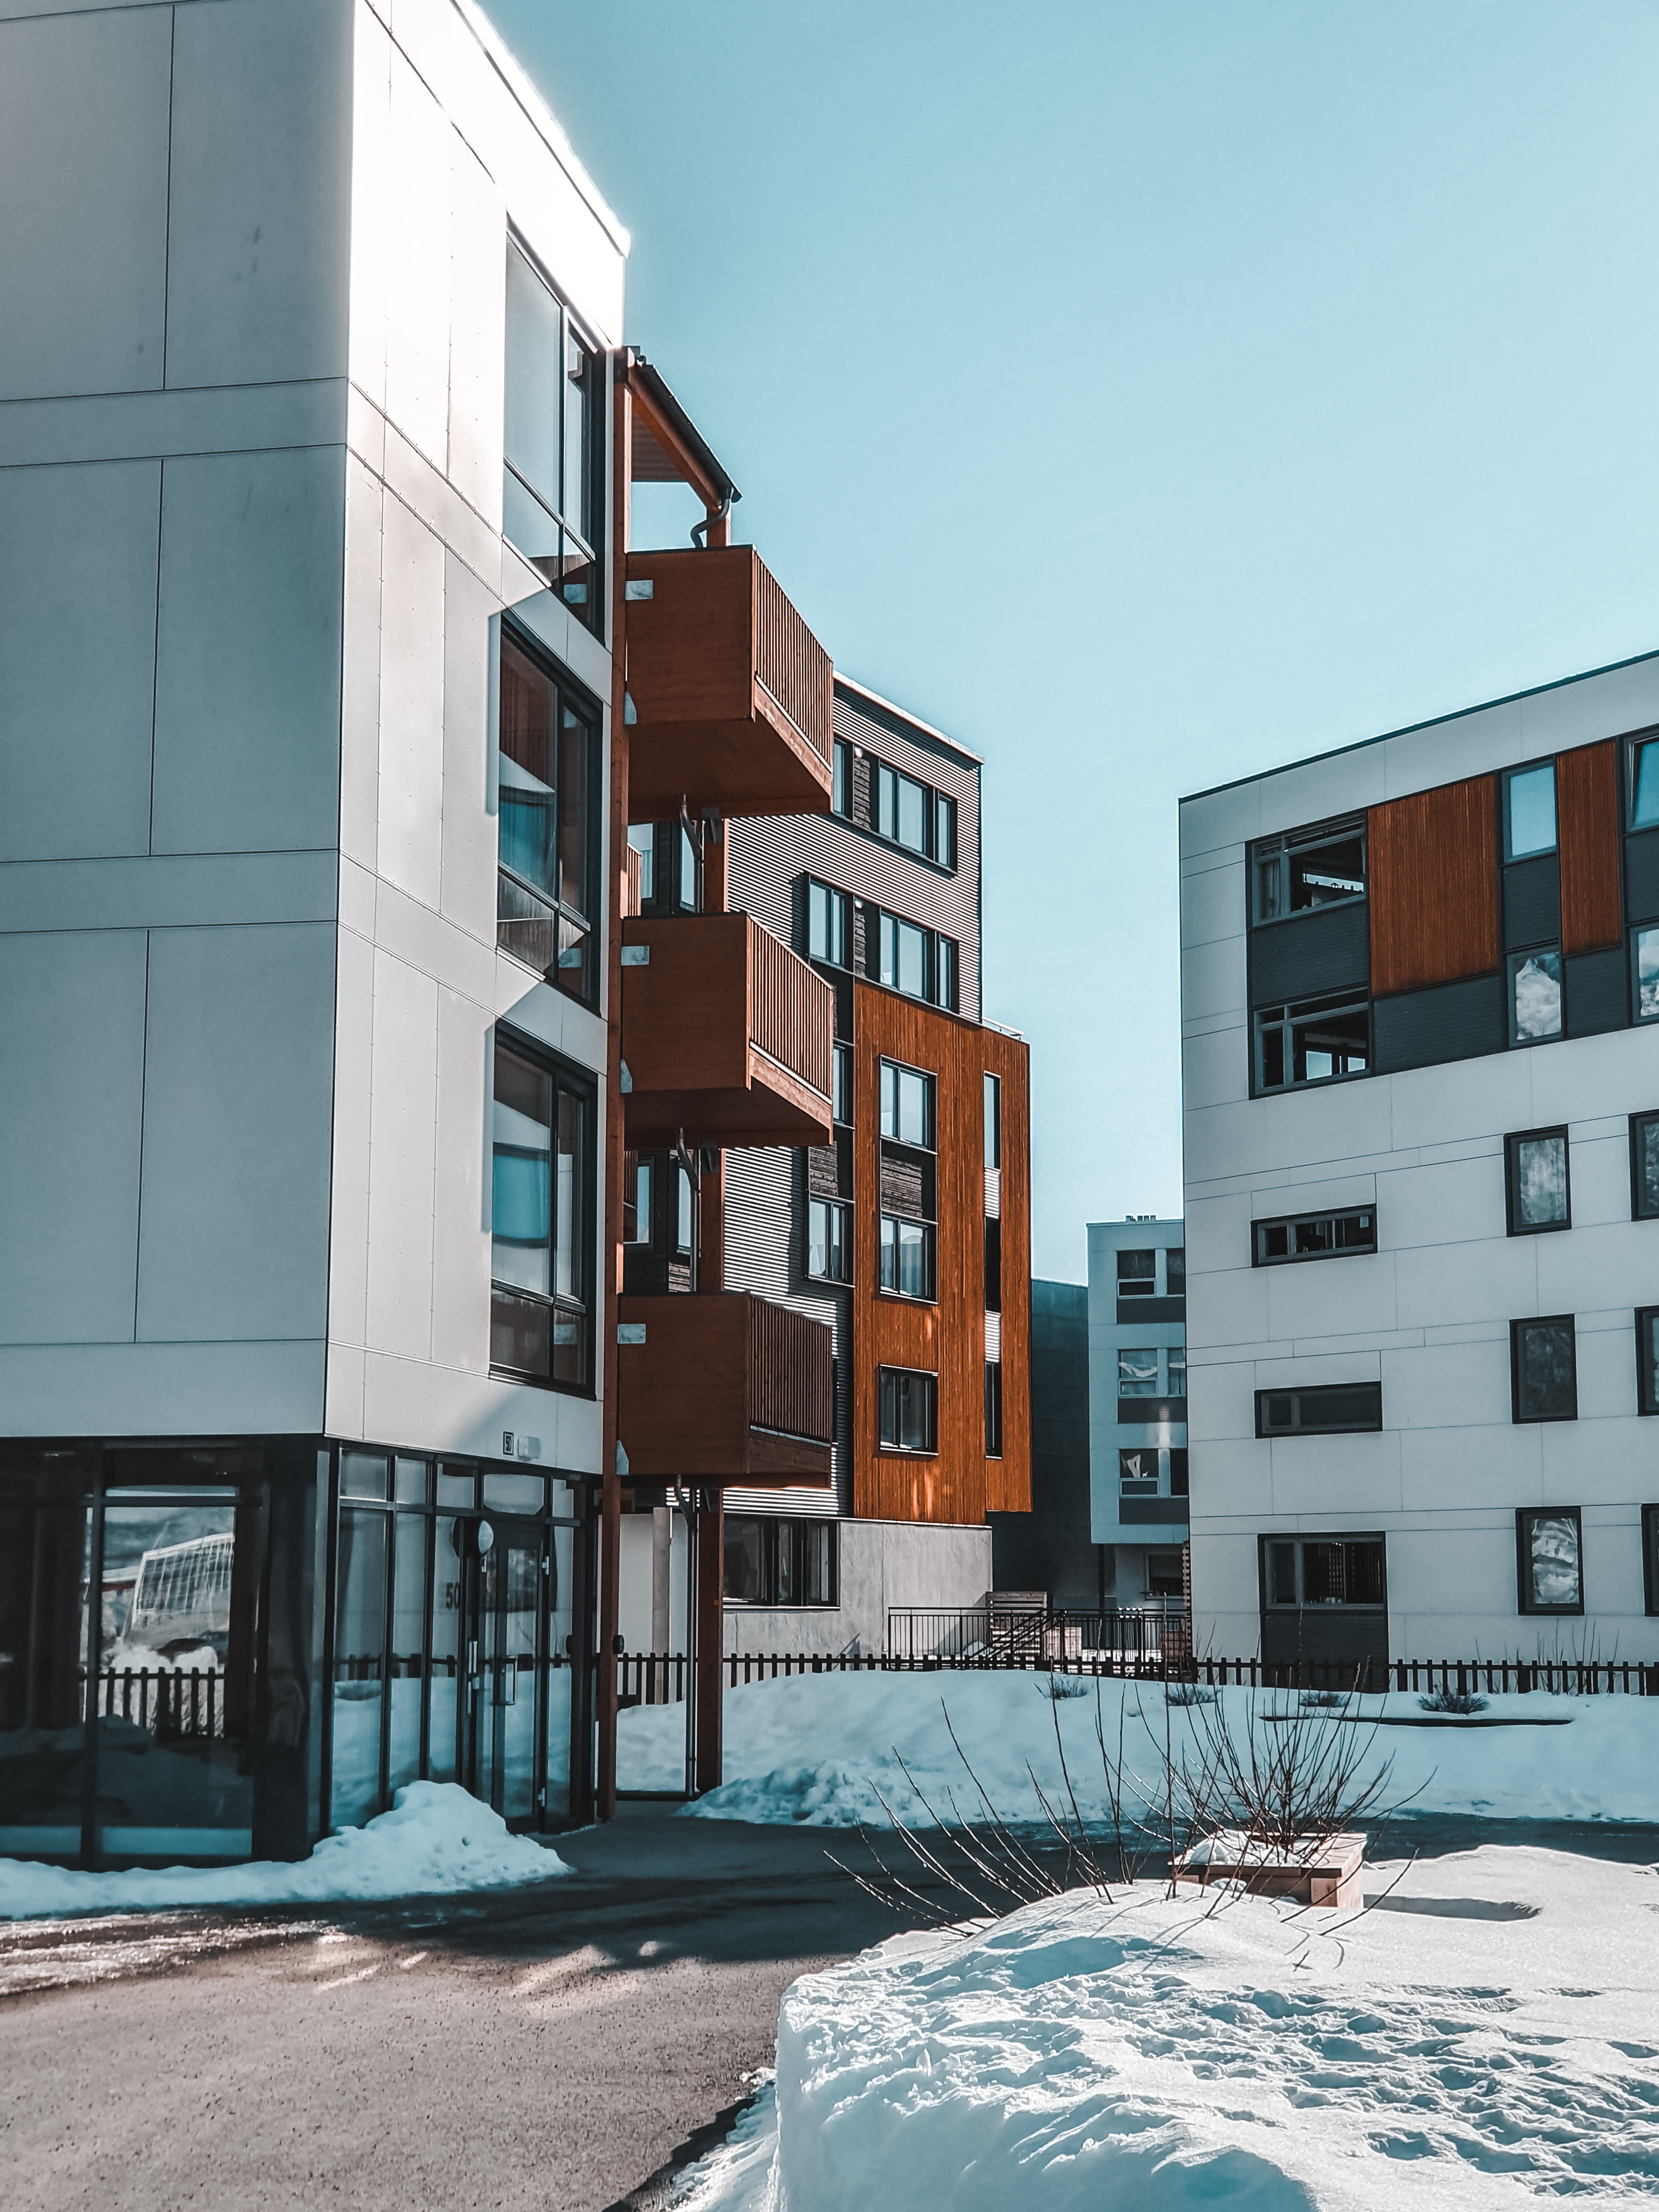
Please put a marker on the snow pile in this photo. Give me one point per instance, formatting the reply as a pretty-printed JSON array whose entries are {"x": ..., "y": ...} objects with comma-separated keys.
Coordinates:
[
  {"x": 1487, "y": 2038},
  {"x": 436, "y": 1839},
  {"x": 824, "y": 1750}
]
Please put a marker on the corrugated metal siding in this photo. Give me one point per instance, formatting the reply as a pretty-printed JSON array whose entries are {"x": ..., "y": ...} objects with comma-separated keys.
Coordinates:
[{"x": 764, "y": 1254}]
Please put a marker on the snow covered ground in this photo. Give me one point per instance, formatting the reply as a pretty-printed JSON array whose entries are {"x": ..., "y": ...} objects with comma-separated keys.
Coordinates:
[
  {"x": 436, "y": 1839},
  {"x": 1487, "y": 2037},
  {"x": 825, "y": 1749}
]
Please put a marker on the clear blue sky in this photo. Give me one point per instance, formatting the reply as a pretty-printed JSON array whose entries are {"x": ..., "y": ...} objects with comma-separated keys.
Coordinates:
[{"x": 1147, "y": 395}]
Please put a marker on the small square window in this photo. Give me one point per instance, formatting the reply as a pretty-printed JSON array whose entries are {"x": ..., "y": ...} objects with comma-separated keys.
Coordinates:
[
  {"x": 1137, "y": 1372},
  {"x": 908, "y": 1410},
  {"x": 1529, "y": 812},
  {"x": 1549, "y": 1545},
  {"x": 1544, "y": 1369},
  {"x": 1137, "y": 1472},
  {"x": 1137, "y": 1274},
  {"x": 1535, "y": 1167},
  {"x": 1645, "y": 784},
  {"x": 1644, "y": 1167},
  {"x": 1535, "y": 995},
  {"x": 1647, "y": 1360},
  {"x": 1645, "y": 971}
]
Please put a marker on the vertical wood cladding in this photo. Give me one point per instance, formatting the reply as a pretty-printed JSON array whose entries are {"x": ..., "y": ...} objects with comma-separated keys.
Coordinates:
[
  {"x": 958, "y": 1483},
  {"x": 1433, "y": 869},
  {"x": 1587, "y": 826}
]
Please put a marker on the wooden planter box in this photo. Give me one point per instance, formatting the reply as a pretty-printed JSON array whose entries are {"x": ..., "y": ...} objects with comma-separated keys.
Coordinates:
[{"x": 1329, "y": 1874}]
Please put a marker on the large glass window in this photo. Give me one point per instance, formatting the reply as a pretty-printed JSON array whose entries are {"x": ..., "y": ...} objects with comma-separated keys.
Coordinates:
[
  {"x": 777, "y": 1560},
  {"x": 1529, "y": 812},
  {"x": 906, "y": 1105},
  {"x": 550, "y": 491},
  {"x": 828, "y": 1241},
  {"x": 1534, "y": 996},
  {"x": 1544, "y": 1371},
  {"x": 908, "y": 1410},
  {"x": 828, "y": 929},
  {"x": 1325, "y": 1572},
  {"x": 1549, "y": 1543},
  {"x": 907, "y": 1257},
  {"x": 1645, "y": 1166},
  {"x": 1307, "y": 869},
  {"x": 1535, "y": 1167},
  {"x": 1644, "y": 965},
  {"x": 1313, "y": 1236},
  {"x": 1322, "y": 1409},
  {"x": 549, "y": 791},
  {"x": 541, "y": 1181},
  {"x": 1314, "y": 1041}
]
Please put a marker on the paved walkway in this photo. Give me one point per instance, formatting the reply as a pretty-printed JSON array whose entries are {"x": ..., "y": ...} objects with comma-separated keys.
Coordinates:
[{"x": 549, "y": 2047}]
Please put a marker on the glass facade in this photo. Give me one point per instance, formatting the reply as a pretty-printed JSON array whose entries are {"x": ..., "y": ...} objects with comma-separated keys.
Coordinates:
[{"x": 218, "y": 1653}]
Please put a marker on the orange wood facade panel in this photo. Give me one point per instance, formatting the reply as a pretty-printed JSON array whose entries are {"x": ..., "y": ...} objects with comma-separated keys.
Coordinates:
[
  {"x": 726, "y": 1034},
  {"x": 957, "y": 1483},
  {"x": 691, "y": 1396},
  {"x": 1587, "y": 827},
  {"x": 707, "y": 729},
  {"x": 1433, "y": 868}
]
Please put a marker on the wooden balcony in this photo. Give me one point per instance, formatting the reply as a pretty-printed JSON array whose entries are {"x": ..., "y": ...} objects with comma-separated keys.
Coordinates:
[
  {"x": 732, "y": 693},
  {"x": 724, "y": 1387},
  {"x": 725, "y": 1033}
]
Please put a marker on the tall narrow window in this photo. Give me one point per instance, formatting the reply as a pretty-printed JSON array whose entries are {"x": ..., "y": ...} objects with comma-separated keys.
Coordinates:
[
  {"x": 549, "y": 490},
  {"x": 1175, "y": 1271},
  {"x": 909, "y": 1419},
  {"x": 840, "y": 1079},
  {"x": 1645, "y": 784},
  {"x": 945, "y": 831},
  {"x": 1550, "y": 1559},
  {"x": 1647, "y": 1360},
  {"x": 828, "y": 935},
  {"x": 1536, "y": 1165},
  {"x": 1544, "y": 1369},
  {"x": 1645, "y": 970},
  {"x": 541, "y": 1181},
  {"x": 828, "y": 1241},
  {"x": 992, "y": 1409},
  {"x": 1535, "y": 996},
  {"x": 544, "y": 912},
  {"x": 993, "y": 1121},
  {"x": 636, "y": 1200},
  {"x": 994, "y": 1265},
  {"x": 840, "y": 796},
  {"x": 906, "y": 1105},
  {"x": 1529, "y": 812},
  {"x": 1644, "y": 1167}
]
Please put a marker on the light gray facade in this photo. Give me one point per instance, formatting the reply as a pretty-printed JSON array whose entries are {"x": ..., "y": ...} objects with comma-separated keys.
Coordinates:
[
  {"x": 1137, "y": 1403},
  {"x": 1410, "y": 1279}
]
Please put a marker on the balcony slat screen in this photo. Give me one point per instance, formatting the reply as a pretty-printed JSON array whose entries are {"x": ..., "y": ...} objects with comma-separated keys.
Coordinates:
[
  {"x": 792, "y": 1011},
  {"x": 790, "y": 1373},
  {"x": 791, "y": 664}
]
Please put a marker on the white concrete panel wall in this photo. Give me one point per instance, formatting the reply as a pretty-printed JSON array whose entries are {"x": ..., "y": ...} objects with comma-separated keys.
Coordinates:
[
  {"x": 78, "y": 551},
  {"x": 1429, "y": 1313},
  {"x": 84, "y": 177},
  {"x": 411, "y": 783},
  {"x": 883, "y": 1564}
]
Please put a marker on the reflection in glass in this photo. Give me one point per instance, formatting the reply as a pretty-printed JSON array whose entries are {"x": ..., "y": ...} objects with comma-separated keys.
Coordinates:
[
  {"x": 1531, "y": 795},
  {"x": 561, "y": 1574},
  {"x": 1534, "y": 996},
  {"x": 1547, "y": 1384},
  {"x": 45, "y": 1564},
  {"x": 1554, "y": 1574},
  {"x": 446, "y": 1648},
  {"x": 1644, "y": 1146},
  {"x": 408, "y": 1668},
  {"x": 1540, "y": 1182},
  {"x": 174, "y": 1638},
  {"x": 1644, "y": 778},
  {"x": 1137, "y": 1372},
  {"x": 360, "y": 1625},
  {"x": 1647, "y": 974}
]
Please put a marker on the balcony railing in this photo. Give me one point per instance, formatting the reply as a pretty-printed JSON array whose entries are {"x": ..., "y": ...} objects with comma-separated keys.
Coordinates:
[
  {"x": 726, "y": 1034},
  {"x": 731, "y": 696},
  {"x": 724, "y": 1387}
]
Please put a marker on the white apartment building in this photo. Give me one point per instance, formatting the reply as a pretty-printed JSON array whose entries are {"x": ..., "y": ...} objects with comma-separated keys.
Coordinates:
[
  {"x": 304, "y": 704},
  {"x": 1138, "y": 1463},
  {"x": 1420, "y": 982}
]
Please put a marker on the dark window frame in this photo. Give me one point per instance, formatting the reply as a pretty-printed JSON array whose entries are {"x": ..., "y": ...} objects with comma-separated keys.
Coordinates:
[
  {"x": 840, "y": 1086},
  {"x": 589, "y": 531},
  {"x": 1511, "y": 858},
  {"x": 1638, "y": 1212},
  {"x": 1516, "y": 1327},
  {"x": 1286, "y": 1018},
  {"x": 567, "y": 692},
  {"x": 1512, "y": 1142},
  {"x": 1647, "y": 1396},
  {"x": 1524, "y": 1603},
  {"x": 1300, "y": 1539},
  {"x": 929, "y": 1450},
  {"x": 582, "y": 1082},
  {"x": 1317, "y": 1393},
  {"x": 930, "y": 1143},
  {"x": 778, "y": 1529},
  {"x": 939, "y": 951},
  {"x": 1633, "y": 748},
  {"x": 933, "y": 799},
  {"x": 930, "y": 1246},
  {"x": 1142, "y": 1485},
  {"x": 1291, "y": 1222},
  {"x": 1512, "y": 965},
  {"x": 832, "y": 893},
  {"x": 1635, "y": 932},
  {"x": 994, "y": 1409},
  {"x": 841, "y": 1206},
  {"x": 1279, "y": 847}
]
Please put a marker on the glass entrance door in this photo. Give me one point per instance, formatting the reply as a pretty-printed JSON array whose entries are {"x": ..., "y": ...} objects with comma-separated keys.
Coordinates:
[{"x": 503, "y": 1629}]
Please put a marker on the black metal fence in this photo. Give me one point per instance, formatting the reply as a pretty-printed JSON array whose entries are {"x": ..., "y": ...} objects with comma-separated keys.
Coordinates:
[
  {"x": 169, "y": 1702},
  {"x": 658, "y": 1677},
  {"x": 998, "y": 1635}
]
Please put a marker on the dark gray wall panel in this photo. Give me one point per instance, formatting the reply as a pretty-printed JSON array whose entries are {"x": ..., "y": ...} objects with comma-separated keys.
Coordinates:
[
  {"x": 1598, "y": 992},
  {"x": 1051, "y": 1548},
  {"x": 1152, "y": 1512},
  {"x": 1329, "y": 949},
  {"x": 1454, "y": 1021},
  {"x": 1642, "y": 876},
  {"x": 1532, "y": 901}
]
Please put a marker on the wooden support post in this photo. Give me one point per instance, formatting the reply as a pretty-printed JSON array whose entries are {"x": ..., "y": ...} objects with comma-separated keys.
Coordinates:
[
  {"x": 615, "y": 878},
  {"x": 710, "y": 1595}
]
